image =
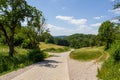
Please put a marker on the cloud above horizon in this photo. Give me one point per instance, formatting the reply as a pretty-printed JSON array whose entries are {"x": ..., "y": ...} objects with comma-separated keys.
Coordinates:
[
  {"x": 80, "y": 26},
  {"x": 115, "y": 11},
  {"x": 95, "y": 25},
  {"x": 72, "y": 20},
  {"x": 98, "y": 17},
  {"x": 57, "y": 30}
]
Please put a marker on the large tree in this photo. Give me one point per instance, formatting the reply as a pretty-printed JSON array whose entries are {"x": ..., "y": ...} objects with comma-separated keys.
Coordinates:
[
  {"x": 106, "y": 33},
  {"x": 12, "y": 14}
]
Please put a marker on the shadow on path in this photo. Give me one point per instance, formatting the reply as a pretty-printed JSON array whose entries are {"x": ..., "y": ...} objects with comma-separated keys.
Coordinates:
[{"x": 48, "y": 63}]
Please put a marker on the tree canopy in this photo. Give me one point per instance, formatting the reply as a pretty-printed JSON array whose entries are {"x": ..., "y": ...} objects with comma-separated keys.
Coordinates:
[
  {"x": 106, "y": 33},
  {"x": 12, "y": 14}
]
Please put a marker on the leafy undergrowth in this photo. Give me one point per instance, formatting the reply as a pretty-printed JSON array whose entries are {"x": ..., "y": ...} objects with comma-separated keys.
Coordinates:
[
  {"x": 53, "y": 48},
  {"x": 21, "y": 59},
  {"x": 86, "y": 54},
  {"x": 110, "y": 69}
]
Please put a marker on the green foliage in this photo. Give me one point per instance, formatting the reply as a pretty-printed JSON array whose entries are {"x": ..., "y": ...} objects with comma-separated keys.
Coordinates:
[
  {"x": 46, "y": 37},
  {"x": 2, "y": 40},
  {"x": 20, "y": 60},
  {"x": 106, "y": 33},
  {"x": 116, "y": 54},
  {"x": 12, "y": 14},
  {"x": 11, "y": 63},
  {"x": 110, "y": 69},
  {"x": 81, "y": 40},
  {"x": 18, "y": 39},
  {"x": 37, "y": 55},
  {"x": 27, "y": 44},
  {"x": 86, "y": 54},
  {"x": 62, "y": 42}
]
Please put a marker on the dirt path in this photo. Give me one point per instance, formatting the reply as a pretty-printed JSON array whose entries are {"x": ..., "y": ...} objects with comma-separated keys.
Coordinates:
[
  {"x": 83, "y": 70},
  {"x": 58, "y": 67},
  {"x": 53, "y": 68}
]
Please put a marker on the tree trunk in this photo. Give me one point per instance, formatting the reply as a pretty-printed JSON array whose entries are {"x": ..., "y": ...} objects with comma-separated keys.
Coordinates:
[{"x": 11, "y": 48}]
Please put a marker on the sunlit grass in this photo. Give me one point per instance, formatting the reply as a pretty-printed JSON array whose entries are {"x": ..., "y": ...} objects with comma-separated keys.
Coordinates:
[
  {"x": 4, "y": 50},
  {"x": 47, "y": 46},
  {"x": 86, "y": 54},
  {"x": 53, "y": 48}
]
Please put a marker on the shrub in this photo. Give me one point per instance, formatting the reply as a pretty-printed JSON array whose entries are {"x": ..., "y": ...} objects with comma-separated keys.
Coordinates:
[
  {"x": 27, "y": 44},
  {"x": 110, "y": 69},
  {"x": 20, "y": 60},
  {"x": 18, "y": 40},
  {"x": 116, "y": 54},
  {"x": 36, "y": 55}
]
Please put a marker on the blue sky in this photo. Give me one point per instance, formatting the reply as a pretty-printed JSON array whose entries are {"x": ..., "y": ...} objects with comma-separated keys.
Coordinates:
[{"x": 66, "y": 17}]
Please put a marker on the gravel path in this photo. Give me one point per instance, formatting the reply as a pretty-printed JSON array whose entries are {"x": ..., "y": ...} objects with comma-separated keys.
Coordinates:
[
  {"x": 53, "y": 68},
  {"x": 83, "y": 70},
  {"x": 58, "y": 67}
]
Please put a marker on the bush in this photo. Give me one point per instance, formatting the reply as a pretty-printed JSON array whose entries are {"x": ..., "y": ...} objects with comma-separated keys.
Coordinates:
[
  {"x": 18, "y": 40},
  {"x": 116, "y": 54},
  {"x": 110, "y": 69},
  {"x": 27, "y": 44},
  {"x": 20, "y": 60},
  {"x": 36, "y": 55}
]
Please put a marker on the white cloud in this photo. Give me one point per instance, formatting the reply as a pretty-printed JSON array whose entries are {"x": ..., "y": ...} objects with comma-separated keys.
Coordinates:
[
  {"x": 85, "y": 29},
  {"x": 95, "y": 25},
  {"x": 72, "y": 20},
  {"x": 50, "y": 26},
  {"x": 67, "y": 18},
  {"x": 98, "y": 17},
  {"x": 116, "y": 11},
  {"x": 80, "y": 26},
  {"x": 115, "y": 21}
]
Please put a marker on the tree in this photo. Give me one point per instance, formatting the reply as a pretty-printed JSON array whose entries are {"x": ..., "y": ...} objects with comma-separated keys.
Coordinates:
[
  {"x": 12, "y": 13},
  {"x": 106, "y": 33}
]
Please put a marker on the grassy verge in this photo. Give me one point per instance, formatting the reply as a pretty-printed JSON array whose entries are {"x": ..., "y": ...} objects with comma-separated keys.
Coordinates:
[
  {"x": 110, "y": 69},
  {"x": 21, "y": 59},
  {"x": 53, "y": 48},
  {"x": 86, "y": 54}
]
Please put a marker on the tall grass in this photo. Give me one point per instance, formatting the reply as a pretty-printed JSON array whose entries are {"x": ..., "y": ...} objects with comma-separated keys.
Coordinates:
[
  {"x": 53, "y": 48},
  {"x": 21, "y": 59},
  {"x": 110, "y": 69},
  {"x": 86, "y": 54}
]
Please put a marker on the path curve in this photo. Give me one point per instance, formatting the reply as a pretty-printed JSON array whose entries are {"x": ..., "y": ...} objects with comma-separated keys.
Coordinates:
[{"x": 57, "y": 67}]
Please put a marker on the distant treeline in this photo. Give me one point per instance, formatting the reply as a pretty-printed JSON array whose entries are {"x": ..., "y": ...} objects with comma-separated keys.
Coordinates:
[{"x": 74, "y": 41}]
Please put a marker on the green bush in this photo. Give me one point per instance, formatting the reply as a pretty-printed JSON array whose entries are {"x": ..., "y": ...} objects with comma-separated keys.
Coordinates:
[
  {"x": 20, "y": 60},
  {"x": 116, "y": 54},
  {"x": 27, "y": 44},
  {"x": 18, "y": 40},
  {"x": 36, "y": 55},
  {"x": 110, "y": 69}
]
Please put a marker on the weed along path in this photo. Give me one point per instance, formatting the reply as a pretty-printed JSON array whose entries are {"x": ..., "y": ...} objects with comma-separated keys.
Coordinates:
[
  {"x": 57, "y": 67},
  {"x": 53, "y": 68}
]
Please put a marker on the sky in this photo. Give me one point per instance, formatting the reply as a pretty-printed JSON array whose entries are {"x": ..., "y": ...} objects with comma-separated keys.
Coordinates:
[{"x": 67, "y": 17}]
